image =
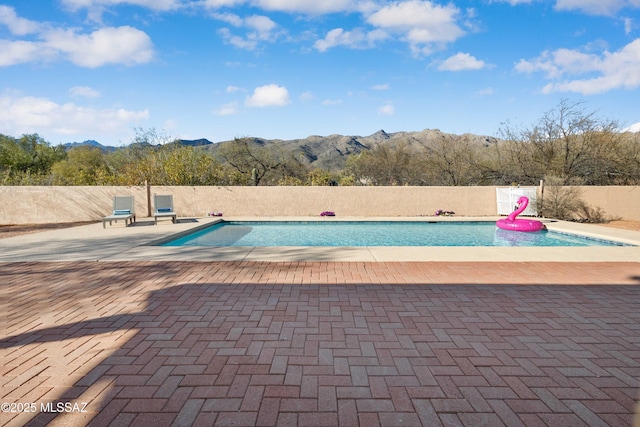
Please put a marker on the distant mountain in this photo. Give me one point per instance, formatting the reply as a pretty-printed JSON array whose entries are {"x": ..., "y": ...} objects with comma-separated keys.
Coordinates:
[
  {"x": 331, "y": 152},
  {"x": 195, "y": 142},
  {"x": 91, "y": 143}
]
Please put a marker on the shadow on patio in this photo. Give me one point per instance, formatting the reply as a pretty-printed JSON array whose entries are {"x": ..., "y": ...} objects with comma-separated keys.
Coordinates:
[{"x": 156, "y": 344}]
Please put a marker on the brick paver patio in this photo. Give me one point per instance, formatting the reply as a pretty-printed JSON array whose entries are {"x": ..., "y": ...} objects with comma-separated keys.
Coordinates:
[{"x": 313, "y": 344}]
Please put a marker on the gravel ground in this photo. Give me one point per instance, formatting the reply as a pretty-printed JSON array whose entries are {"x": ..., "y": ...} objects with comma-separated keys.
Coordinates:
[
  {"x": 20, "y": 229},
  {"x": 626, "y": 225}
]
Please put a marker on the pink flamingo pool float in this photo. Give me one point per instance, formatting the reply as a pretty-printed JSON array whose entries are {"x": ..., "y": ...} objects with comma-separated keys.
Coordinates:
[{"x": 511, "y": 223}]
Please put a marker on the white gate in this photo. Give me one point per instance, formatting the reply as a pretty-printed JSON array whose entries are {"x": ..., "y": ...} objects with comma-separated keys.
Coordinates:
[{"x": 508, "y": 197}]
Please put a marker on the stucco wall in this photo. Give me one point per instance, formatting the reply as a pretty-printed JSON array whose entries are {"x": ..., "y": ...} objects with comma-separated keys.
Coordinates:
[
  {"x": 24, "y": 205},
  {"x": 344, "y": 201},
  {"x": 621, "y": 202},
  {"x": 51, "y": 204}
]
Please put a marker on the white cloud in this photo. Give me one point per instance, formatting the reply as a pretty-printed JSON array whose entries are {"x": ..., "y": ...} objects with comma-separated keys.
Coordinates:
[
  {"x": 261, "y": 29},
  {"x": 108, "y": 45},
  {"x": 170, "y": 125},
  {"x": 460, "y": 62},
  {"x": 633, "y": 128},
  {"x": 512, "y": 2},
  {"x": 425, "y": 25},
  {"x": 234, "y": 89},
  {"x": 596, "y": 7},
  {"x": 298, "y": 6},
  {"x": 387, "y": 110},
  {"x": 84, "y": 91},
  {"x": 237, "y": 41},
  {"x": 227, "y": 109},
  {"x": 262, "y": 24},
  {"x": 229, "y": 18},
  {"x": 215, "y": 4},
  {"x": 150, "y": 4},
  {"x": 307, "y": 96},
  {"x": 628, "y": 26},
  {"x": 485, "y": 91},
  {"x": 268, "y": 96},
  {"x": 381, "y": 87},
  {"x": 309, "y": 7},
  {"x": 20, "y": 52},
  {"x": 16, "y": 25},
  {"x": 604, "y": 72},
  {"x": 591, "y": 7},
  {"x": 95, "y": 8},
  {"x": 353, "y": 39},
  {"x": 330, "y": 102},
  {"x": 26, "y": 114}
]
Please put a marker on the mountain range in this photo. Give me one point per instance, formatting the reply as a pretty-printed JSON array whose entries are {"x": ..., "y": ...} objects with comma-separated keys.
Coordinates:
[{"x": 330, "y": 152}]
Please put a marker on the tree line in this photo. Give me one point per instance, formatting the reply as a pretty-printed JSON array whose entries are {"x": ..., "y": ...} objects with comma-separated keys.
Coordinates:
[{"x": 567, "y": 145}]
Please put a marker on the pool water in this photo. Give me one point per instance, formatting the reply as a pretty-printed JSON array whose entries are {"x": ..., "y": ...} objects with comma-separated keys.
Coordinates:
[{"x": 375, "y": 233}]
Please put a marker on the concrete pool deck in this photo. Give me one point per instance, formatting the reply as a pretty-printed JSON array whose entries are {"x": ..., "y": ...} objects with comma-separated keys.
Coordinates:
[
  {"x": 120, "y": 243},
  {"x": 130, "y": 334}
]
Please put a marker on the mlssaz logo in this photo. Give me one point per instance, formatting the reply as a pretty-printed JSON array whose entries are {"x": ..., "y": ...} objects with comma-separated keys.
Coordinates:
[{"x": 63, "y": 407}]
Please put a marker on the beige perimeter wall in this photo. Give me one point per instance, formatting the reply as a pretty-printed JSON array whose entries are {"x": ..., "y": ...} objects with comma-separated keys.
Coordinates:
[{"x": 28, "y": 205}]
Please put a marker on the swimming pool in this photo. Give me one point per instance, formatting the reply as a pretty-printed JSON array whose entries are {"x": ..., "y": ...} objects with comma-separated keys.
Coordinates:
[{"x": 373, "y": 233}]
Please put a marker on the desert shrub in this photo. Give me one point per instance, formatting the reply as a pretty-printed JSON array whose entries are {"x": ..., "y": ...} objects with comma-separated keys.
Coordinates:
[
  {"x": 587, "y": 213},
  {"x": 559, "y": 202},
  {"x": 565, "y": 203}
]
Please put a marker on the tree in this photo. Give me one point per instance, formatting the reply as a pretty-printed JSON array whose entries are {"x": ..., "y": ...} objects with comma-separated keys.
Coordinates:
[
  {"x": 568, "y": 143},
  {"x": 174, "y": 164},
  {"x": 84, "y": 165},
  {"x": 454, "y": 162},
  {"x": 628, "y": 153},
  {"x": 27, "y": 160},
  {"x": 385, "y": 165},
  {"x": 188, "y": 166},
  {"x": 257, "y": 163}
]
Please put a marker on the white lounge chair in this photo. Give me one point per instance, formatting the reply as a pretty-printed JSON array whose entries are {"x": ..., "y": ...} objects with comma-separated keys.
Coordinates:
[
  {"x": 124, "y": 208},
  {"x": 163, "y": 207}
]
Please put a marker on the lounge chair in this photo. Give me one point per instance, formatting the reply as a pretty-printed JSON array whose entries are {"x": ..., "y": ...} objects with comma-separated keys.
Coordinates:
[
  {"x": 163, "y": 207},
  {"x": 124, "y": 208}
]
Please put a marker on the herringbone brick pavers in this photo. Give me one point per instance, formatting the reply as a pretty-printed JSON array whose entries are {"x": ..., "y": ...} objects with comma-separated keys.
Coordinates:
[{"x": 184, "y": 343}]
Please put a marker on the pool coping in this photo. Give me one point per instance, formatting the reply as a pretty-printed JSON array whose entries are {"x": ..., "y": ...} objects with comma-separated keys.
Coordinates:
[{"x": 136, "y": 243}]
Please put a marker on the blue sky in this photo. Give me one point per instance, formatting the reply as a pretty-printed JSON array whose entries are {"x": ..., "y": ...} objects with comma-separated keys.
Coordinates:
[{"x": 72, "y": 70}]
